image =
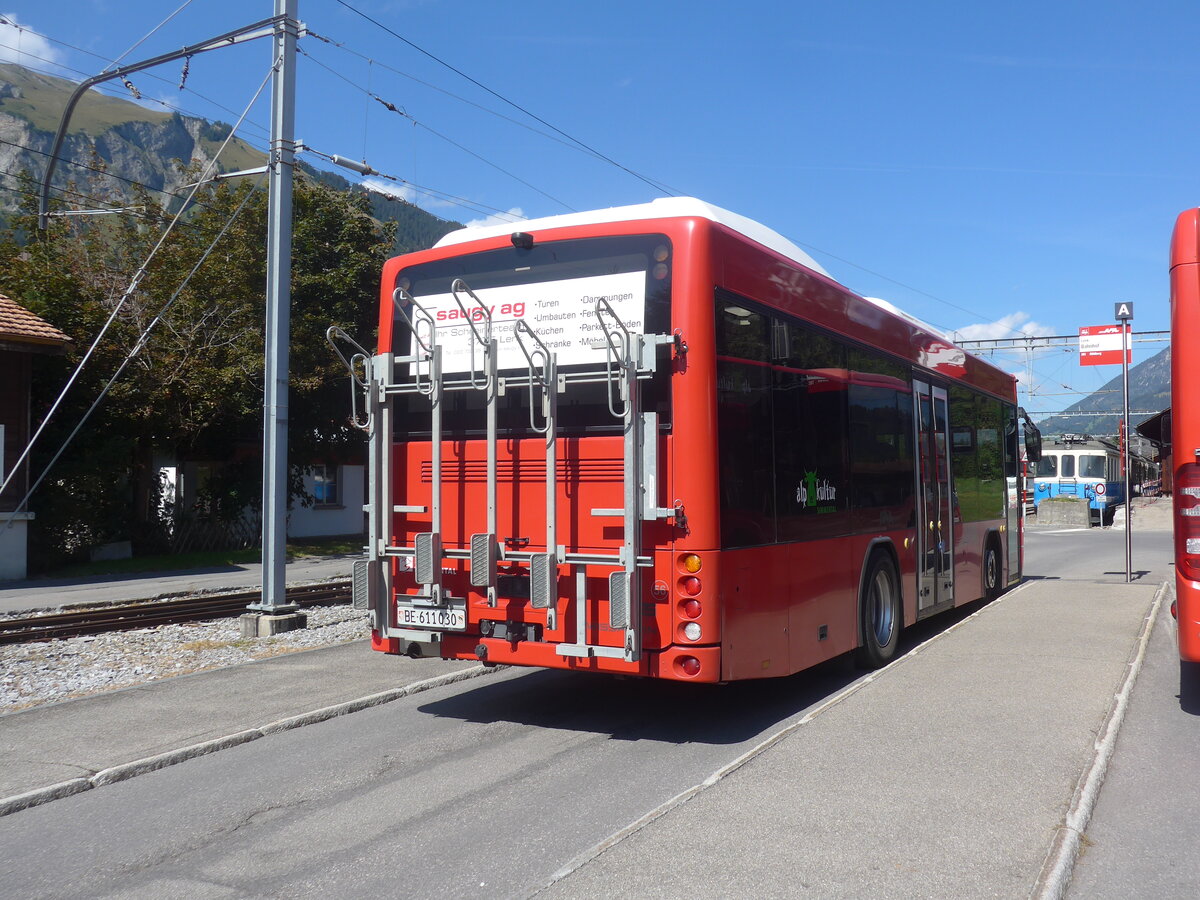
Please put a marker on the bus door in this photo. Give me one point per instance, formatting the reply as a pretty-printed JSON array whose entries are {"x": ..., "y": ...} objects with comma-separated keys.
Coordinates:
[{"x": 935, "y": 521}]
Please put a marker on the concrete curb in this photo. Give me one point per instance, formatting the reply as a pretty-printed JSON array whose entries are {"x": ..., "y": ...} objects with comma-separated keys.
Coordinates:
[
  {"x": 1060, "y": 861},
  {"x": 125, "y": 771}
]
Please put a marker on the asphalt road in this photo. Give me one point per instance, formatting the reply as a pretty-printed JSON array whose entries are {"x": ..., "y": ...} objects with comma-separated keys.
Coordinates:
[{"x": 478, "y": 789}]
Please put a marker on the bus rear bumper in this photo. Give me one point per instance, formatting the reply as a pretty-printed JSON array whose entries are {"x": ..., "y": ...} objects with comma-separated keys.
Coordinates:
[
  {"x": 1187, "y": 613},
  {"x": 679, "y": 663}
]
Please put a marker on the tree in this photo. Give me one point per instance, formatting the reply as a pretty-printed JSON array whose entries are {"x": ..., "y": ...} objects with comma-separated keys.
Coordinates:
[{"x": 195, "y": 388}]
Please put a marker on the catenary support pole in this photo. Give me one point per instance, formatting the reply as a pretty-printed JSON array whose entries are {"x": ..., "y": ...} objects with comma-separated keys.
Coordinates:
[{"x": 274, "y": 613}]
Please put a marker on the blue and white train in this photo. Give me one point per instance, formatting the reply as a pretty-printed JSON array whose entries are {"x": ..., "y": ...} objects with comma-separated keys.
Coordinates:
[{"x": 1081, "y": 466}]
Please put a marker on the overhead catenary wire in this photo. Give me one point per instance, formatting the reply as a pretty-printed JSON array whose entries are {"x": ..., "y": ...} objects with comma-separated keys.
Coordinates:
[
  {"x": 129, "y": 357},
  {"x": 103, "y": 172},
  {"x": 502, "y": 98},
  {"x": 571, "y": 144},
  {"x": 149, "y": 34},
  {"x": 399, "y": 110},
  {"x": 363, "y": 169},
  {"x": 147, "y": 216},
  {"x": 133, "y": 286}
]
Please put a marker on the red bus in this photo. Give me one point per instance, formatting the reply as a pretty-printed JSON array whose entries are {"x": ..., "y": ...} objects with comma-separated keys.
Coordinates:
[
  {"x": 660, "y": 440},
  {"x": 1185, "y": 427}
]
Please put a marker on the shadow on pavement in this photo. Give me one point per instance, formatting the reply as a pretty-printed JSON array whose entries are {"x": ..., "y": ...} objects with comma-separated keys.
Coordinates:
[
  {"x": 634, "y": 709},
  {"x": 644, "y": 709}
]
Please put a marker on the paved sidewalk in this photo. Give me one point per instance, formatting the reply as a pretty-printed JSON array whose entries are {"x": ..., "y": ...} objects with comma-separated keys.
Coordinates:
[{"x": 950, "y": 776}]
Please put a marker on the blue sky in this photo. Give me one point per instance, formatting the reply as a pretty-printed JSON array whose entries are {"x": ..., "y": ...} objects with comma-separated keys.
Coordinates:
[{"x": 990, "y": 168}]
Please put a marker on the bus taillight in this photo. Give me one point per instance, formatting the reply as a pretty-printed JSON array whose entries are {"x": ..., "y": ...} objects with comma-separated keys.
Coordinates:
[{"x": 1187, "y": 520}]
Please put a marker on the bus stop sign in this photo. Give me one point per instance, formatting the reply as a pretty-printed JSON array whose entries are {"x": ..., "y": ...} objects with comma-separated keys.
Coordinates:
[
  {"x": 1101, "y": 345},
  {"x": 1123, "y": 311}
]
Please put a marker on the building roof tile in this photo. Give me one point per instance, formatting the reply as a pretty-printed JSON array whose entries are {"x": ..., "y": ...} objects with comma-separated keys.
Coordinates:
[{"x": 19, "y": 325}]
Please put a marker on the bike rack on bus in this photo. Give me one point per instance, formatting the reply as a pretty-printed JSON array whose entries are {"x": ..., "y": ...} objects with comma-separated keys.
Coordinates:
[
  {"x": 360, "y": 381},
  {"x": 629, "y": 358},
  {"x": 485, "y": 549},
  {"x": 543, "y": 567}
]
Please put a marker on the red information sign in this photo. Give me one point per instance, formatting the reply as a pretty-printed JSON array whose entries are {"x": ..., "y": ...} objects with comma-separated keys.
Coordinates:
[{"x": 1100, "y": 345}]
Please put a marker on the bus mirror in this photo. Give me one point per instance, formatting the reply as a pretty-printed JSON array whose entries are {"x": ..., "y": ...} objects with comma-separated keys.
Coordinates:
[{"x": 1033, "y": 442}]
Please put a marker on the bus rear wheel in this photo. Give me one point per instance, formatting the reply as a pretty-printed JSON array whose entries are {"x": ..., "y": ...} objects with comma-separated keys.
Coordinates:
[
  {"x": 991, "y": 571},
  {"x": 880, "y": 612}
]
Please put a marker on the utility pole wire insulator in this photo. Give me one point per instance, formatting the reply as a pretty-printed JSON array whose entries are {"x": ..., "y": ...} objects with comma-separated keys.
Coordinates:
[
  {"x": 389, "y": 105},
  {"x": 360, "y": 167}
]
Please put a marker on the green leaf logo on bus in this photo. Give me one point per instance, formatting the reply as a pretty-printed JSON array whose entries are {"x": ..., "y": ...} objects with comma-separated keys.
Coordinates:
[{"x": 816, "y": 494}]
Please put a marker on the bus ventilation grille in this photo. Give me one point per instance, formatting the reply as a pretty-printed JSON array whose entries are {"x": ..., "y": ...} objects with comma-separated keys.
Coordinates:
[
  {"x": 618, "y": 600},
  {"x": 541, "y": 580},
  {"x": 358, "y": 583}
]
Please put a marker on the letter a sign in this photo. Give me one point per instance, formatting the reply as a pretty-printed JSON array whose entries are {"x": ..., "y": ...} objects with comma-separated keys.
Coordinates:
[{"x": 1123, "y": 312}]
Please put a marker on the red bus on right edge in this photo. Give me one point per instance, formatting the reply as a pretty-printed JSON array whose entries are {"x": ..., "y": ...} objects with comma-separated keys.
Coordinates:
[{"x": 1185, "y": 427}]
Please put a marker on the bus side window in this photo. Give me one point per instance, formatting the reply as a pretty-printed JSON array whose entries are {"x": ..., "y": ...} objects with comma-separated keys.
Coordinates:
[{"x": 744, "y": 425}]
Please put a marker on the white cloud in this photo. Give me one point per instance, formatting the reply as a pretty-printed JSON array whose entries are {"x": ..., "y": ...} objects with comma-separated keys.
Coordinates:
[
  {"x": 391, "y": 188},
  {"x": 427, "y": 201},
  {"x": 1014, "y": 325},
  {"x": 170, "y": 101},
  {"x": 513, "y": 215},
  {"x": 19, "y": 45}
]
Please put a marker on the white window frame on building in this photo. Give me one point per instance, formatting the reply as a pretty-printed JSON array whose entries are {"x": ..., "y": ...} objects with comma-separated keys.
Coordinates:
[{"x": 321, "y": 473}]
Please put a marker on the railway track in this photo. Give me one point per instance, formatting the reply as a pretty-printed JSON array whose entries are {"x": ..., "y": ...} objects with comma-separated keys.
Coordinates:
[{"x": 149, "y": 613}]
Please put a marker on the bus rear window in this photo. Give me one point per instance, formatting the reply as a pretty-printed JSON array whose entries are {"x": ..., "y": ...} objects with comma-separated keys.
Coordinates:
[{"x": 553, "y": 287}]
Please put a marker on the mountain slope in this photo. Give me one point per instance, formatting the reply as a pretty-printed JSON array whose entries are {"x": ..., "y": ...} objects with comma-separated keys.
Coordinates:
[
  {"x": 1099, "y": 413},
  {"x": 143, "y": 146}
]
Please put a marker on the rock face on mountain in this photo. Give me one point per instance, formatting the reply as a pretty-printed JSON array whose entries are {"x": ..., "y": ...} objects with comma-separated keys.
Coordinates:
[
  {"x": 106, "y": 134},
  {"x": 114, "y": 143}
]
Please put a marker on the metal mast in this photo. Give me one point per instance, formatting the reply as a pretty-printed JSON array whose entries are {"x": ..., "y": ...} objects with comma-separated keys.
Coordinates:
[{"x": 278, "y": 325}]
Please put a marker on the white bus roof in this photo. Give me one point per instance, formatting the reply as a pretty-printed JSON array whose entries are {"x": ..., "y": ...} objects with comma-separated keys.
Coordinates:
[{"x": 662, "y": 208}]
